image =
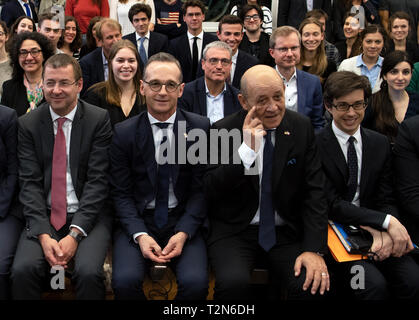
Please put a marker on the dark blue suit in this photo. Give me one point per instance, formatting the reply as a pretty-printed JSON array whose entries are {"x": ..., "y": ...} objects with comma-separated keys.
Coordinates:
[
  {"x": 194, "y": 98},
  {"x": 13, "y": 10},
  {"x": 244, "y": 61},
  {"x": 92, "y": 69},
  {"x": 310, "y": 98},
  {"x": 10, "y": 213},
  {"x": 134, "y": 184}
]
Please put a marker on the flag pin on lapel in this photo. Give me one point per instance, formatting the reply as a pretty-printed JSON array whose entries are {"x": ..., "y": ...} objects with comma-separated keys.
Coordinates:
[{"x": 287, "y": 133}]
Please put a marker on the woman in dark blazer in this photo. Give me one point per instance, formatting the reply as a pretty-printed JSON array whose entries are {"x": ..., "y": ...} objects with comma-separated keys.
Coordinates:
[
  {"x": 120, "y": 94},
  {"x": 393, "y": 103},
  {"x": 24, "y": 91},
  {"x": 10, "y": 211}
]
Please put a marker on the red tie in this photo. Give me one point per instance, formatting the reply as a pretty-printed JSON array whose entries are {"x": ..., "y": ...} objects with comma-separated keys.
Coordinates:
[{"x": 59, "y": 181}]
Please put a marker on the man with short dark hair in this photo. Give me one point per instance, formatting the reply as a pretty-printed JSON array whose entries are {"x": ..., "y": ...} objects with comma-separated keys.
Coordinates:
[
  {"x": 63, "y": 163},
  {"x": 188, "y": 47},
  {"x": 230, "y": 31},
  {"x": 147, "y": 42},
  {"x": 359, "y": 191},
  {"x": 49, "y": 26}
]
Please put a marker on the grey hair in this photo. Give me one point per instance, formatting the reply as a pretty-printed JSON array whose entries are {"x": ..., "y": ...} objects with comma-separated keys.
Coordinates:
[{"x": 218, "y": 45}]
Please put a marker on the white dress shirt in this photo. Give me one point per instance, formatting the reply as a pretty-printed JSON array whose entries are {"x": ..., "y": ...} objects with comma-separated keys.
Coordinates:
[
  {"x": 22, "y": 3},
  {"x": 199, "y": 42},
  {"x": 233, "y": 65},
  {"x": 291, "y": 91},
  {"x": 145, "y": 43}
]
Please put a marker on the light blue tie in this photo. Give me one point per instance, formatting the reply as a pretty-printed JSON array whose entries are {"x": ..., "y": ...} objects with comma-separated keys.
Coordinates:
[
  {"x": 142, "y": 52},
  {"x": 28, "y": 10}
]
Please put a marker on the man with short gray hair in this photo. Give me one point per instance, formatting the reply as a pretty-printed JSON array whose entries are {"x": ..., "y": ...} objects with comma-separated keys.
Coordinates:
[{"x": 211, "y": 95}]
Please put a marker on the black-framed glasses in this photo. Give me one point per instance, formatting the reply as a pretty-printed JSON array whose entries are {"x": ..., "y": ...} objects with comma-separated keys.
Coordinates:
[
  {"x": 254, "y": 17},
  {"x": 156, "y": 86},
  {"x": 214, "y": 61},
  {"x": 64, "y": 84},
  {"x": 343, "y": 106},
  {"x": 34, "y": 52}
]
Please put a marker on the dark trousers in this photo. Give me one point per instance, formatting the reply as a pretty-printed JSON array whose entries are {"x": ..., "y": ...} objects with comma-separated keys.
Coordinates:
[
  {"x": 233, "y": 259},
  {"x": 129, "y": 266},
  {"x": 30, "y": 270},
  {"x": 10, "y": 230}
]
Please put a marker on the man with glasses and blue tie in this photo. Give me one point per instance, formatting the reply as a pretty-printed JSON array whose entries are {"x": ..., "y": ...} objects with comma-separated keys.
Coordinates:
[
  {"x": 303, "y": 91},
  {"x": 360, "y": 193},
  {"x": 63, "y": 162},
  {"x": 13, "y": 9},
  {"x": 159, "y": 198}
]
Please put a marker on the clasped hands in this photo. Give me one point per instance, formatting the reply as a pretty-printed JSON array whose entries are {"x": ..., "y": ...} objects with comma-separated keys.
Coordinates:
[
  {"x": 151, "y": 250},
  {"x": 58, "y": 253}
]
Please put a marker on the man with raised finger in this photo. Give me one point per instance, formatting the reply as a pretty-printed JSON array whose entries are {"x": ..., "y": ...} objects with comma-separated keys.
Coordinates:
[{"x": 268, "y": 199}]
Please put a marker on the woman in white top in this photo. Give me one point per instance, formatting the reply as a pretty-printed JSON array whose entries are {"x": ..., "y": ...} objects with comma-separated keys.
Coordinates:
[
  {"x": 267, "y": 15},
  {"x": 118, "y": 10}
]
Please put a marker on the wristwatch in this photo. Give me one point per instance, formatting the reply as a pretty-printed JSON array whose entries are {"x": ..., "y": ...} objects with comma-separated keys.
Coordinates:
[{"x": 76, "y": 235}]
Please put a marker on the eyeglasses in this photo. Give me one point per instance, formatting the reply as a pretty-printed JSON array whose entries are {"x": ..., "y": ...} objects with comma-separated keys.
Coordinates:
[
  {"x": 254, "y": 17},
  {"x": 34, "y": 52},
  {"x": 214, "y": 61},
  {"x": 343, "y": 106},
  {"x": 156, "y": 86},
  {"x": 284, "y": 50},
  {"x": 2, "y": 33},
  {"x": 64, "y": 84}
]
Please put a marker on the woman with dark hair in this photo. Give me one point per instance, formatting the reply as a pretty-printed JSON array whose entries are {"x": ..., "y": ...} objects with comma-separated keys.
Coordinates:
[
  {"x": 400, "y": 35},
  {"x": 393, "y": 103},
  {"x": 313, "y": 55},
  {"x": 92, "y": 41},
  {"x": 120, "y": 94},
  {"x": 24, "y": 91},
  {"x": 70, "y": 40},
  {"x": 267, "y": 14},
  {"x": 5, "y": 67},
  {"x": 369, "y": 62},
  {"x": 22, "y": 24},
  {"x": 351, "y": 46}
]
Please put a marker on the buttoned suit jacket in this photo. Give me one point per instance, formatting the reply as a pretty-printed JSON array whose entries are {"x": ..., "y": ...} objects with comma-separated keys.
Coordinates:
[
  {"x": 376, "y": 194},
  {"x": 297, "y": 184},
  {"x": 88, "y": 159},
  {"x": 194, "y": 98},
  {"x": 134, "y": 173}
]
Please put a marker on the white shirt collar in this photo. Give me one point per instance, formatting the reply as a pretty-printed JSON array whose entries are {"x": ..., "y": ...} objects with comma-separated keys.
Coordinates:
[
  {"x": 200, "y": 35},
  {"x": 283, "y": 78},
  {"x": 207, "y": 91},
  {"x": 137, "y": 36},
  {"x": 343, "y": 136},
  {"x": 68, "y": 116},
  {"x": 154, "y": 120}
]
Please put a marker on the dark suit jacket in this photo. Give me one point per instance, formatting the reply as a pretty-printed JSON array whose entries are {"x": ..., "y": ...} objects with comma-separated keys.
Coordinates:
[
  {"x": 134, "y": 174},
  {"x": 13, "y": 10},
  {"x": 90, "y": 138},
  {"x": 264, "y": 56},
  {"x": 406, "y": 165},
  {"x": 92, "y": 69},
  {"x": 194, "y": 98},
  {"x": 15, "y": 97},
  {"x": 179, "y": 47},
  {"x": 157, "y": 43},
  {"x": 8, "y": 160},
  {"x": 298, "y": 184},
  {"x": 292, "y": 12},
  {"x": 376, "y": 192},
  {"x": 310, "y": 98},
  {"x": 244, "y": 62}
]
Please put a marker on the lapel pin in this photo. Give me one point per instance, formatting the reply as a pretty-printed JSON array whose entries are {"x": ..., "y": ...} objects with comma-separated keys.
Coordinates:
[{"x": 287, "y": 133}]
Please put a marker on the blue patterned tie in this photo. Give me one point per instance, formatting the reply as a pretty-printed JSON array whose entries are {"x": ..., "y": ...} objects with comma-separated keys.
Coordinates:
[
  {"x": 28, "y": 10},
  {"x": 163, "y": 177},
  {"x": 352, "y": 169},
  {"x": 267, "y": 236},
  {"x": 143, "y": 54}
]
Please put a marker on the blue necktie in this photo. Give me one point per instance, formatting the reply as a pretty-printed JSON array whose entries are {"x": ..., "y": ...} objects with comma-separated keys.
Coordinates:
[
  {"x": 28, "y": 10},
  {"x": 163, "y": 177},
  {"x": 267, "y": 236},
  {"x": 143, "y": 54},
  {"x": 352, "y": 169}
]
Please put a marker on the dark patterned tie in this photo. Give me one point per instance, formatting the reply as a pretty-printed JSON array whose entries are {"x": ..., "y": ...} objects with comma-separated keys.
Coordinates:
[
  {"x": 163, "y": 177},
  {"x": 59, "y": 179},
  {"x": 267, "y": 236},
  {"x": 352, "y": 169}
]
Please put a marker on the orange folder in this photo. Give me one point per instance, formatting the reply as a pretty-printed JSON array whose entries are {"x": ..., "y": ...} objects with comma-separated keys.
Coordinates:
[{"x": 338, "y": 250}]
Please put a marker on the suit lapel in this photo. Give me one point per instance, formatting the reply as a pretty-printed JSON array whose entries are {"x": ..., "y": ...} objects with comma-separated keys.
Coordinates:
[
  {"x": 283, "y": 141},
  {"x": 367, "y": 154},
  {"x": 301, "y": 102},
  {"x": 75, "y": 143},
  {"x": 146, "y": 147},
  {"x": 48, "y": 138},
  {"x": 228, "y": 101},
  {"x": 202, "y": 96},
  {"x": 179, "y": 132},
  {"x": 334, "y": 150}
]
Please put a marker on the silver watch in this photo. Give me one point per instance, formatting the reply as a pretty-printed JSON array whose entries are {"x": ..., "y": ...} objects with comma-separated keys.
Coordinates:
[{"x": 76, "y": 235}]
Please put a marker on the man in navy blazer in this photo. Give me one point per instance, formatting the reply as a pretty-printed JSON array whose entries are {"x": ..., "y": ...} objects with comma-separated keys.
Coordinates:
[
  {"x": 95, "y": 64},
  {"x": 13, "y": 9},
  {"x": 159, "y": 199},
  {"x": 303, "y": 91},
  {"x": 211, "y": 95},
  {"x": 182, "y": 46},
  {"x": 230, "y": 31},
  {"x": 139, "y": 15}
]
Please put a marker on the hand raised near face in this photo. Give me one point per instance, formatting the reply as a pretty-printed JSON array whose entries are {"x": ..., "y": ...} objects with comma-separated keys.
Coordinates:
[{"x": 253, "y": 130}]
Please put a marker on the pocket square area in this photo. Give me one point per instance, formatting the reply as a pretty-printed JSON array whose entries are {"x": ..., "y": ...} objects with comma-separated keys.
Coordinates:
[{"x": 291, "y": 162}]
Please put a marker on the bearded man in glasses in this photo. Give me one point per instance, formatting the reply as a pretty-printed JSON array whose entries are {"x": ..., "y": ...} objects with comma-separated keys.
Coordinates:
[{"x": 158, "y": 197}]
